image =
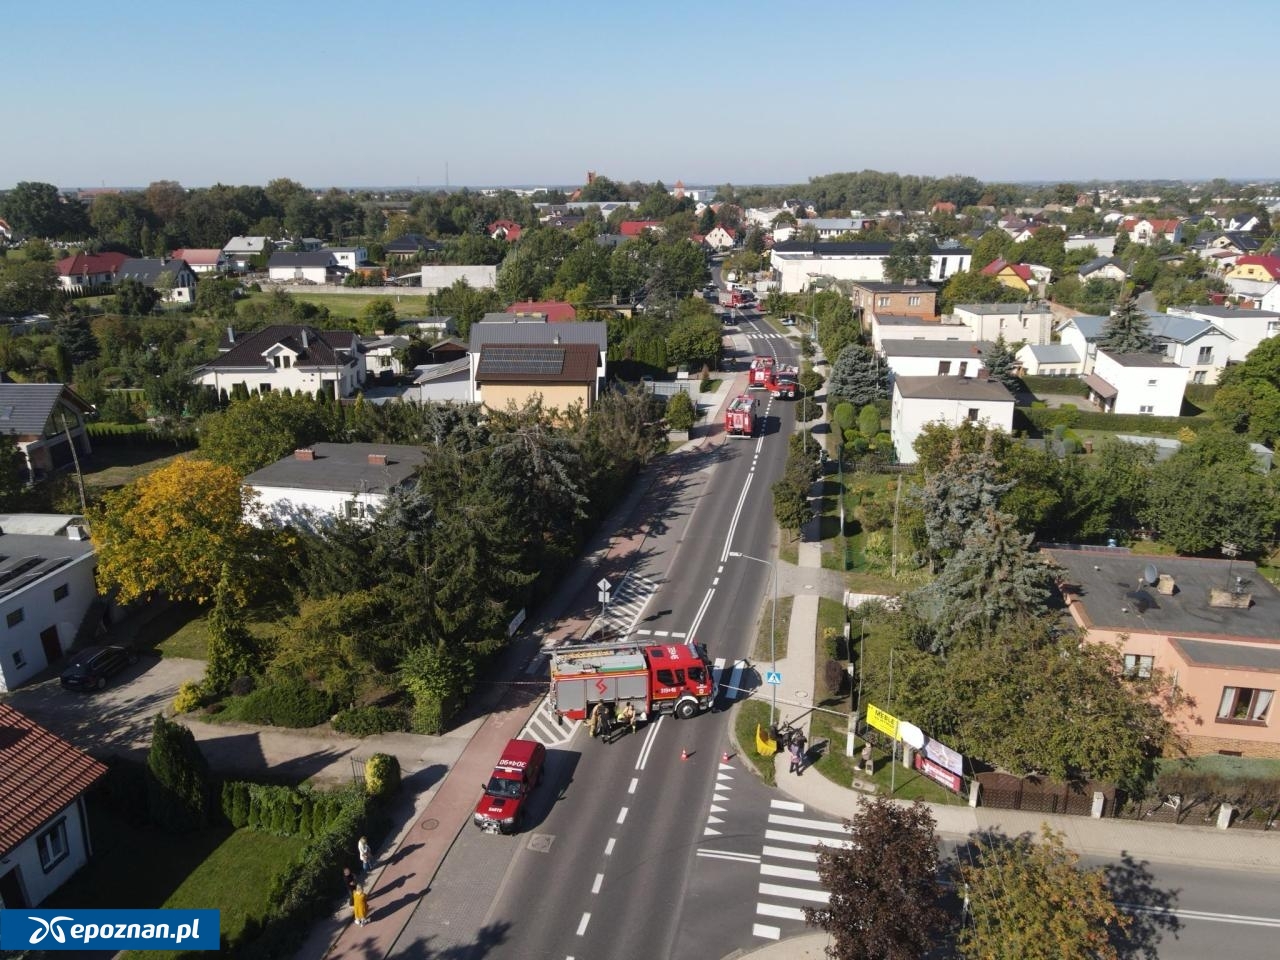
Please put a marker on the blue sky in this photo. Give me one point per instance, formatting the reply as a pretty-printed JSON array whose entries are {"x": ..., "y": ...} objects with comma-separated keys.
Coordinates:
[{"x": 388, "y": 93}]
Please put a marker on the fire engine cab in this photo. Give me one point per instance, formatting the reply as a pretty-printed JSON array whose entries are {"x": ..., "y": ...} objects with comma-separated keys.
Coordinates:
[
  {"x": 740, "y": 416},
  {"x": 780, "y": 380}
]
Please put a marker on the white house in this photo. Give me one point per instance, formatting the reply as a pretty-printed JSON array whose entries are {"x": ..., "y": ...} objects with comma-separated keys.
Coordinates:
[
  {"x": 382, "y": 355},
  {"x": 1081, "y": 333},
  {"x": 478, "y": 276},
  {"x": 46, "y": 591},
  {"x": 350, "y": 257},
  {"x": 1137, "y": 383},
  {"x": 918, "y": 401},
  {"x": 286, "y": 356},
  {"x": 44, "y": 831},
  {"x": 1248, "y": 327},
  {"x": 721, "y": 238},
  {"x": 892, "y": 326},
  {"x": 172, "y": 279},
  {"x": 241, "y": 250},
  {"x": 1198, "y": 346},
  {"x": 433, "y": 327},
  {"x": 1104, "y": 245},
  {"x": 1016, "y": 322},
  {"x": 330, "y": 480},
  {"x": 1270, "y": 301},
  {"x": 448, "y": 382},
  {"x": 1144, "y": 230},
  {"x": 828, "y": 228},
  {"x": 798, "y": 263},
  {"x": 1050, "y": 360},
  {"x": 1102, "y": 268},
  {"x": 937, "y": 358},
  {"x": 202, "y": 260},
  {"x": 507, "y": 329},
  {"x": 315, "y": 266}
]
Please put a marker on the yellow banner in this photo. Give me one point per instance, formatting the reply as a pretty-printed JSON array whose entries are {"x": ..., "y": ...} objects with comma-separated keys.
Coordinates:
[{"x": 884, "y": 722}]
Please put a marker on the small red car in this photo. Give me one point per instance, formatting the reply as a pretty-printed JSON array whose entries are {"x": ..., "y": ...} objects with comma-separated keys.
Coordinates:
[{"x": 517, "y": 772}]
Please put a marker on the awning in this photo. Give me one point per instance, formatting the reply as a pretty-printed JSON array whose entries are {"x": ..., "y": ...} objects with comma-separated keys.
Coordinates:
[{"x": 1099, "y": 386}]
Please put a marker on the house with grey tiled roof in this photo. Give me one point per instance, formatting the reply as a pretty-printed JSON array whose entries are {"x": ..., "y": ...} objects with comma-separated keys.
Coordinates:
[
  {"x": 286, "y": 356},
  {"x": 173, "y": 279},
  {"x": 314, "y": 266},
  {"x": 1102, "y": 268},
  {"x": 40, "y": 417},
  {"x": 510, "y": 330},
  {"x": 919, "y": 401}
]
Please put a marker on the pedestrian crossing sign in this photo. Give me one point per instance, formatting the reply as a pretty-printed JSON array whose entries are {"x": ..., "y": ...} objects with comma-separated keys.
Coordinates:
[{"x": 772, "y": 676}]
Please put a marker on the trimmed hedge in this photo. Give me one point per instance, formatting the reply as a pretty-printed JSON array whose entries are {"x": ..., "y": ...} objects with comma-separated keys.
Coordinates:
[
  {"x": 140, "y": 435},
  {"x": 285, "y": 703},
  {"x": 1072, "y": 386},
  {"x": 371, "y": 721},
  {"x": 1043, "y": 420},
  {"x": 283, "y": 811}
]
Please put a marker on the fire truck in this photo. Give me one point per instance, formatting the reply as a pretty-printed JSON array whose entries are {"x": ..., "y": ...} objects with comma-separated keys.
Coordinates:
[
  {"x": 675, "y": 678},
  {"x": 740, "y": 416},
  {"x": 767, "y": 374}
]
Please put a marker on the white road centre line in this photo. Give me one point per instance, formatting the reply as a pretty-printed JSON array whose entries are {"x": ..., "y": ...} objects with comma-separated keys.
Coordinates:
[
  {"x": 719, "y": 569},
  {"x": 787, "y": 873},
  {"x": 622, "y": 815},
  {"x": 608, "y": 847},
  {"x": 733, "y": 523},
  {"x": 648, "y": 744},
  {"x": 702, "y": 612},
  {"x": 787, "y": 805},
  {"x": 715, "y": 581},
  {"x": 632, "y": 787},
  {"x": 595, "y": 887},
  {"x": 582, "y": 924}
]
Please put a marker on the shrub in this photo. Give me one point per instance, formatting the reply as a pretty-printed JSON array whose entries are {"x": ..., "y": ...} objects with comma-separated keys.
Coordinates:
[
  {"x": 833, "y": 677},
  {"x": 370, "y": 721},
  {"x": 874, "y": 514},
  {"x": 381, "y": 775},
  {"x": 286, "y": 703},
  {"x": 869, "y": 421},
  {"x": 680, "y": 412},
  {"x": 242, "y": 686},
  {"x": 190, "y": 696},
  {"x": 178, "y": 788},
  {"x": 843, "y": 417}
]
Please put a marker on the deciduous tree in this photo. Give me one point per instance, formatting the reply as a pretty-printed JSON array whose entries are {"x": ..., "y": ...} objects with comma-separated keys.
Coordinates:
[{"x": 254, "y": 432}]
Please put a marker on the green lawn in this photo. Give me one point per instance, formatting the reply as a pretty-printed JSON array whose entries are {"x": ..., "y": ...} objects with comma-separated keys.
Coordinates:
[
  {"x": 348, "y": 306},
  {"x": 747, "y": 715},
  {"x": 183, "y": 631},
  {"x": 143, "y": 868},
  {"x": 766, "y": 628},
  {"x": 113, "y": 465}
]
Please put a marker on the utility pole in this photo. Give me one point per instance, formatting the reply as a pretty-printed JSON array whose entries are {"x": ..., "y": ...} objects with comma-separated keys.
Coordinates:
[
  {"x": 75, "y": 458},
  {"x": 893, "y": 561}
]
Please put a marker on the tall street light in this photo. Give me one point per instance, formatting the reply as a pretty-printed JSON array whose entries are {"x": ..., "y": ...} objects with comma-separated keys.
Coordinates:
[{"x": 773, "y": 632}]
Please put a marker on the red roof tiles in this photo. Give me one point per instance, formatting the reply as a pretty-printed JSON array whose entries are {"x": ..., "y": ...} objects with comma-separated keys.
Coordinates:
[
  {"x": 89, "y": 263},
  {"x": 633, "y": 228},
  {"x": 1271, "y": 264},
  {"x": 556, "y": 311}
]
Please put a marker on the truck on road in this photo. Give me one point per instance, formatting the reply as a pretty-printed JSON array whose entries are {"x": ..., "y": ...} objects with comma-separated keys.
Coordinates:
[
  {"x": 780, "y": 380},
  {"x": 517, "y": 772},
  {"x": 740, "y": 418},
  {"x": 655, "y": 679}
]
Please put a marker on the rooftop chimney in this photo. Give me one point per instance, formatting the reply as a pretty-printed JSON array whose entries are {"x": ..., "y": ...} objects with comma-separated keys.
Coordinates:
[
  {"x": 377, "y": 459},
  {"x": 1166, "y": 585},
  {"x": 305, "y": 341},
  {"x": 231, "y": 334},
  {"x": 304, "y": 454}
]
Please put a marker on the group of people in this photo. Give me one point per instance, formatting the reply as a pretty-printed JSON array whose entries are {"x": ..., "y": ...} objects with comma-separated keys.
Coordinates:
[
  {"x": 600, "y": 721},
  {"x": 355, "y": 885}
]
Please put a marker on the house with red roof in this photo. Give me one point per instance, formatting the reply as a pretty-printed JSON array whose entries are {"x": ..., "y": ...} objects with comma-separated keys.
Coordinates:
[
  {"x": 507, "y": 230},
  {"x": 1015, "y": 275},
  {"x": 633, "y": 228},
  {"x": 44, "y": 826},
  {"x": 553, "y": 311},
  {"x": 200, "y": 260},
  {"x": 944, "y": 206},
  {"x": 1255, "y": 267},
  {"x": 1144, "y": 230},
  {"x": 722, "y": 238},
  {"x": 87, "y": 271}
]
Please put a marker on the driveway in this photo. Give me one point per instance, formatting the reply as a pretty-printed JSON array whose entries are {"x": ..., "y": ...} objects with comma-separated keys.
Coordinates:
[{"x": 118, "y": 721}]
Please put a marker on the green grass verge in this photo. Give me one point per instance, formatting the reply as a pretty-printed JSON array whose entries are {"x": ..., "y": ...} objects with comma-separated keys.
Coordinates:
[
  {"x": 347, "y": 306},
  {"x": 765, "y": 629},
  {"x": 1230, "y": 768},
  {"x": 183, "y": 631},
  {"x": 747, "y": 715},
  {"x": 114, "y": 465}
]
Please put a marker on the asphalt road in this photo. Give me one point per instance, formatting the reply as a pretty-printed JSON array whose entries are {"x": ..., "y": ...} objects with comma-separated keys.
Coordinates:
[{"x": 603, "y": 867}]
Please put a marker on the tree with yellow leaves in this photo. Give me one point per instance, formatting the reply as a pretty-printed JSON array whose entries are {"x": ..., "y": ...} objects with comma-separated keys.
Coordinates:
[{"x": 171, "y": 531}]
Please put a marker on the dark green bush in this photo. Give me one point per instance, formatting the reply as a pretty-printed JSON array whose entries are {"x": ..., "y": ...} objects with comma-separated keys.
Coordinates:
[
  {"x": 371, "y": 721},
  {"x": 178, "y": 788},
  {"x": 1043, "y": 420},
  {"x": 285, "y": 703}
]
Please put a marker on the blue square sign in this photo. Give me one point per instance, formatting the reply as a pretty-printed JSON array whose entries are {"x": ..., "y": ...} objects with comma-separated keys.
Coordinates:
[{"x": 772, "y": 676}]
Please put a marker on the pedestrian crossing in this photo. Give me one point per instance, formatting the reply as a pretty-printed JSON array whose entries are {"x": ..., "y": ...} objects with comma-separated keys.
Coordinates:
[
  {"x": 752, "y": 335},
  {"x": 789, "y": 866},
  {"x": 545, "y": 728},
  {"x": 626, "y": 604},
  {"x": 720, "y": 797},
  {"x": 730, "y": 687}
]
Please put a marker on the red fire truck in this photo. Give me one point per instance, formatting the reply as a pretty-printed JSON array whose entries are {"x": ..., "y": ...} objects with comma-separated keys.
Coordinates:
[
  {"x": 740, "y": 416},
  {"x": 780, "y": 380},
  {"x": 675, "y": 678}
]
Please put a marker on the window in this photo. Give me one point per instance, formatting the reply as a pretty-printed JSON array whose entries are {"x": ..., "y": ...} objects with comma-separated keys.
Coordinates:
[
  {"x": 264, "y": 388},
  {"x": 964, "y": 368},
  {"x": 1146, "y": 408},
  {"x": 944, "y": 367},
  {"x": 275, "y": 362},
  {"x": 913, "y": 301},
  {"x": 973, "y": 414},
  {"x": 666, "y": 678},
  {"x": 355, "y": 510},
  {"x": 882, "y": 301},
  {"x": 19, "y": 660},
  {"x": 52, "y": 845},
  {"x": 943, "y": 271},
  {"x": 1244, "y": 705},
  {"x": 288, "y": 362},
  {"x": 1198, "y": 377},
  {"x": 1137, "y": 666},
  {"x": 15, "y": 617},
  {"x": 384, "y": 362},
  {"x": 60, "y": 592},
  {"x": 1273, "y": 326},
  {"x": 1206, "y": 355},
  {"x": 1151, "y": 383}
]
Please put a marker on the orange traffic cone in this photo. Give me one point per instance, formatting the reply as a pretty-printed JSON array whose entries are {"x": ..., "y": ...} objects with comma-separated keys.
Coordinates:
[
  {"x": 684, "y": 753},
  {"x": 724, "y": 757}
]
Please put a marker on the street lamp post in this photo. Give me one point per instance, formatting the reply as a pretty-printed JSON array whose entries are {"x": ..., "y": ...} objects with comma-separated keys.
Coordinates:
[{"x": 773, "y": 632}]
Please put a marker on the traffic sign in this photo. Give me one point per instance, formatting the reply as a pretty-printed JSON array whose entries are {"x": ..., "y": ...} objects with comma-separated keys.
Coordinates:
[
  {"x": 602, "y": 596},
  {"x": 772, "y": 676},
  {"x": 604, "y": 585}
]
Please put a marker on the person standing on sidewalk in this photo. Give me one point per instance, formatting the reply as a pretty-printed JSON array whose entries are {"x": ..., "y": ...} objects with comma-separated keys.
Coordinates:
[
  {"x": 793, "y": 748},
  {"x": 366, "y": 854},
  {"x": 352, "y": 883},
  {"x": 360, "y": 904}
]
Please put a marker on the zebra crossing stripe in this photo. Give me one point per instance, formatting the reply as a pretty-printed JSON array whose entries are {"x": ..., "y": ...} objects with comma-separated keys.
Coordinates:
[
  {"x": 779, "y": 911},
  {"x": 811, "y": 824},
  {"x": 794, "y": 893},
  {"x": 790, "y": 805},
  {"x": 789, "y": 873},
  {"x": 766, "y": 932},
  {"x": 784, "y": 836},
  {"x": 788, "y": 853}
]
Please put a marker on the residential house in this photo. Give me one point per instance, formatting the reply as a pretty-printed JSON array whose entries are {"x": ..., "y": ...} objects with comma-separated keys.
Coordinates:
[
  {"x": 1241, "y": 223},
  {"x": 890, "y": 326},
  {"x": 202, "y": 260},
  {"x": 910, "y": 299},
  {"x": 1269, "y": 301},
  {"x": 1102, "y": 268},
  {"x": 1026, "y": 233},
  {"x": 172, "y": 279},
  {"x": 240, "y": 251},
  {"x": 350, "y": 258},
  {"x": 507, "y": 230},
  {"x": 797, "y": 264},
  {"x": 633, "y": 228},
  {"x": 1016, "y": 322},
  {"x": 1103, "y": 245},
  {"x": 1248, "y": 327},
  {"x": 480, "y": 276},
  {"x": 315, "y": 266},
  {"x": 1050, "y": 360},
  {"x": 1237, "y": 243},
  {"x": 562, "y": 375},
  {"x": 409, "y": 246},
  {"x": 553, "y": 311},
  {"x": 1253, "y": 267},
  {"x": 1016, "y": 276},
  {"x": 509, "y": 331},
  {"x": 1147, "y": 383},
  {"x": 1144, "y": 230},
  {"x": 6, "y": 231},
  {"x": 918, "y": 401},
  {"x": 1211, "y": 626},
  {"x": 327, "y": 481},
  {"x": 286, "y": 356},
  {"x": 828, "y": 228},
  {"x": 1012, "y": 225},
  {"x": 382, "y": 355},
  {"x": 89, "y": 271},
  {"x": 40, "y": 417},
  {"x": 446, "y": 351},
  {"x": 1081, "y": 333},
  {"x": 47, "y": 591},
  {"x": 443, "y": 381},
  {"x": 721, "y": 238},
  {"x": 934, "y": 358},
  {"x": 1198, "y": 346},
  {"x": 44, "y": 823},
  {"x": 432, "y": 327}
]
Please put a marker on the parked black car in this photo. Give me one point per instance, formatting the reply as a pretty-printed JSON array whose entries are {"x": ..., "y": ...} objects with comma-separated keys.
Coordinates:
[{"x": 92, "y": 665}]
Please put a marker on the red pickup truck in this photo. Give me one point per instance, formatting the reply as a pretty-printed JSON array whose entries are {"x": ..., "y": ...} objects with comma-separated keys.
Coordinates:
[{"x": 517, "y": 772}]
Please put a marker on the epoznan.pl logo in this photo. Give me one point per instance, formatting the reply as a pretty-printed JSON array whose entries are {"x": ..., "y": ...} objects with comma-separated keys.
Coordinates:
[{"x": 109, "y": 929}]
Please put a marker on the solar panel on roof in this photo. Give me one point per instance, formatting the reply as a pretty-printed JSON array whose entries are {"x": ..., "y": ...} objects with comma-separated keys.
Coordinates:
[{"x": 522, "y": 360}]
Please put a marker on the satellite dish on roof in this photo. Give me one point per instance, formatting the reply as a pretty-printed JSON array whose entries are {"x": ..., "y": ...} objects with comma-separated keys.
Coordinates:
[{"x": 1150, "y": 574}]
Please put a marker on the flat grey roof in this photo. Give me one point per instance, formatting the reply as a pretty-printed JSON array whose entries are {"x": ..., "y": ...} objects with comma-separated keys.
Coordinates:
[
  {"x": 26, "y": 558},
  {"x": 1231, "y": 313},
  {"x": 1054, "y": 352},
  {"x": 959, "y": 349},
  {"x": 1206, "y": 653},
  {"x": 1030, "y": 309},
  {"x": 907, "y": 319},
  {"x": 952, "y": 388},
  {"x": 1141, "y": 359},
  {"x": 536, "y": 331},
  {"x": 1107, "y": 582},
  {"x": 342, "y": 466}
]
